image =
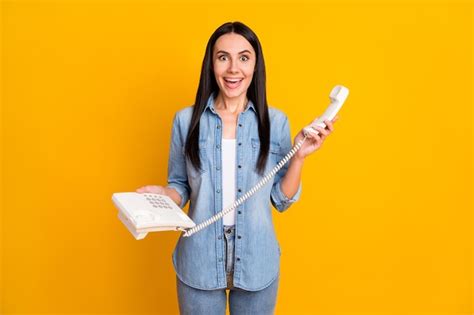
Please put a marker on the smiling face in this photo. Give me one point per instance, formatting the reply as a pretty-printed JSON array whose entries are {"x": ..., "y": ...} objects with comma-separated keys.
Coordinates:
[{"x": 234, "y": 60}]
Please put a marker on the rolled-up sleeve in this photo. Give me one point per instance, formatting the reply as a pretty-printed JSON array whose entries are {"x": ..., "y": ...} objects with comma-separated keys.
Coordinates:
[
  {"x": 177, "y": 174},
  {"x": 278, "y": 199}
]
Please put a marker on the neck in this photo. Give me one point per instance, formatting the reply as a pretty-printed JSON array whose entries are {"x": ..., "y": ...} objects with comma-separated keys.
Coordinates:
[{"x": 231, "y": 105}]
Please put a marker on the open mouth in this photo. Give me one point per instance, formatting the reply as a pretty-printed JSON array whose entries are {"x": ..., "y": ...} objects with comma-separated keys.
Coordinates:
[{"x": 232, "y": 83}]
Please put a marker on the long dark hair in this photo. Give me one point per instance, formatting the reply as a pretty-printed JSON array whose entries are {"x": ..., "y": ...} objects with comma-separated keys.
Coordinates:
[{"x": 256, "y": 93}]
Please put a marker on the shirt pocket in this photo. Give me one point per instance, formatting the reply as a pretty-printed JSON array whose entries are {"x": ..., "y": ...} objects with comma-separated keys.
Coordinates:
[
  {"x": 273, "y": 155},
  {"x": 203, "y": 155}
]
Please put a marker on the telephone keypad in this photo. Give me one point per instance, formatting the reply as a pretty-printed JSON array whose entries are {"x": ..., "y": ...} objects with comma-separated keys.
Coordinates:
[{"x": 157, "y": 201}]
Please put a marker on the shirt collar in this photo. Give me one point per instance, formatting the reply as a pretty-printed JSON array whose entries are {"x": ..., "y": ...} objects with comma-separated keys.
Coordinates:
[{"x": 210, "y": 104}]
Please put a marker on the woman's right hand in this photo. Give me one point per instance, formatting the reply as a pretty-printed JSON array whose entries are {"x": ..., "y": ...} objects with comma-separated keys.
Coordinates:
[{"x": 152, "y": 189}]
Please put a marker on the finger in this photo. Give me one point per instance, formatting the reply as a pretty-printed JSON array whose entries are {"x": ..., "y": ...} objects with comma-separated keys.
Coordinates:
[
  {"x": 315, "y": 136},
  {"x": 312, "y": 133},
  {"x": 335, "y": 119},
  {"x": 318, "y": 141},
  {"x": 311, "y": 141},
  {"x": 329, "y": 125},
  {"x": 321, "y": 138},
  {"x": 322, "y": 131}
]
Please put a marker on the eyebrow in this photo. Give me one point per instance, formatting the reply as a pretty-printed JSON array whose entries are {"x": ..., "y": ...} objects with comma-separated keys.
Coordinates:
[{"x": 225, "y": 52}]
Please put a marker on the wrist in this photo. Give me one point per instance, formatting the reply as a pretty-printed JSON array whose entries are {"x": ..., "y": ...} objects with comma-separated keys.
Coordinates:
[
  {"x": 297, "y": 159},
  {"x": 173, "y": 194}
]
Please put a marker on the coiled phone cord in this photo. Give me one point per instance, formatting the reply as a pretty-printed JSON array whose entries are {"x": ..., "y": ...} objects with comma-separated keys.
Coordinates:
[{"x": 238, "y": 202}]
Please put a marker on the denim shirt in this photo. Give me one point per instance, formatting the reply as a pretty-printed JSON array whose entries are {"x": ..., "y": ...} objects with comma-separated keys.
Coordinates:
[{"x": 199, "y": 260}]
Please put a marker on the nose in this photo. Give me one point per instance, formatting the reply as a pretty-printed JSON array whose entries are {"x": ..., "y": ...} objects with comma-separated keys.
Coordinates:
[{"x": 233, "y": 66}]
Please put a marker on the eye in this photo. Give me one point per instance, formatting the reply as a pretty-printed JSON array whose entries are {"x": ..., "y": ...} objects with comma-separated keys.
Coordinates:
[
  {"x": 220, "y": 57},
  {"x": 246, "y": 58}
]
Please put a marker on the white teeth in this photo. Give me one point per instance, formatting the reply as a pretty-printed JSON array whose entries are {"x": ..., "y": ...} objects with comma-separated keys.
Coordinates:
[{"x": 233, "y": 81}]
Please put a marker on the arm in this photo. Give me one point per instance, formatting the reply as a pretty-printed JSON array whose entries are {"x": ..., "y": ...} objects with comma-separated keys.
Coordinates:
[
  {"x": 178, "y": 187},
  {"x": 292, "y": 178},
  {"x": 287, "y": 180}
]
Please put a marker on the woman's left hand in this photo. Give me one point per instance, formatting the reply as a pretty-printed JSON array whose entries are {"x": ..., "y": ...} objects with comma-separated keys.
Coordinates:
[{"x": 313, "y": 142}]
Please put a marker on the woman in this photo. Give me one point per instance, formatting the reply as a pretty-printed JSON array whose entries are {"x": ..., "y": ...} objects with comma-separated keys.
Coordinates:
[{"x": 220, "y": 148}]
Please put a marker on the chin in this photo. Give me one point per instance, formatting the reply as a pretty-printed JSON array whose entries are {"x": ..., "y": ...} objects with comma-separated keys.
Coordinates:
[{"x": 231, "y": 93}]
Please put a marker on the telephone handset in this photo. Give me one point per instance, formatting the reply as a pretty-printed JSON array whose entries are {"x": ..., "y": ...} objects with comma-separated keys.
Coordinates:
[
  {"x": 141, "y": 218},
  {"x": 338, "y": 95}
]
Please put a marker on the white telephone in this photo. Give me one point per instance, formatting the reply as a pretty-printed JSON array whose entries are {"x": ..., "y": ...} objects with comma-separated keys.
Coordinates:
[{"x": 143, "y": 213}]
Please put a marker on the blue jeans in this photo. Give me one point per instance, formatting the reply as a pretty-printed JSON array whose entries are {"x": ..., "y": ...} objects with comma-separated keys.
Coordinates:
[{"x": 214, "y": 302}]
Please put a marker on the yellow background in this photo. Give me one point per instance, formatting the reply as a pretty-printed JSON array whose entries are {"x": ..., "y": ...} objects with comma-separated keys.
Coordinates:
[{"x": 88, "y": 94}]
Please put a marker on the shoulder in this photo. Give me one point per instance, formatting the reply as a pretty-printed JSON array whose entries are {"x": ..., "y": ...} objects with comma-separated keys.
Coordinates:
[
  {"x": 182, "y": 119},
  {"x": 277, "y": 116},
  {"x": 184, "y": 115},
  {"x": 279, "y": 125},
  {"x": 181, "y": 122}
]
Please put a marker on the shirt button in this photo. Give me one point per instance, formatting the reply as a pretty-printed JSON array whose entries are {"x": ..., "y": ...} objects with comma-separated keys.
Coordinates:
[
  {"x": 218, "y": 126},
  {"x": 219, "y": 237},
  {"x": 239, "y": 212},
  {"x": 240, "y": 143},
  {"x": 218, "y": 146},
  {"x": 238, "y": 259},
  {"x": 240, "y": 190},
  {"x": 218, "y": 168},
  {"x": 240, "y": 166},
  {"x": 220, "y": 259},
  {"x": 239, "y": 237},
  {"x": 218, "y": 191},
  {"x": 240, "y": 125}
]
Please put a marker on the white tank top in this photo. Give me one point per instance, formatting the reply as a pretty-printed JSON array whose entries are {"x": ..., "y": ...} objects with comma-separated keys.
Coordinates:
[{"x": 228, "y": 179}]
